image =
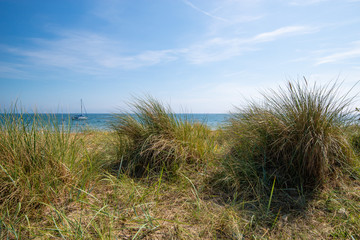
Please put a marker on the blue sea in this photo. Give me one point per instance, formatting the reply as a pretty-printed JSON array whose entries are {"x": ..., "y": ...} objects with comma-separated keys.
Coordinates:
[{"x": 97, "y": 121}]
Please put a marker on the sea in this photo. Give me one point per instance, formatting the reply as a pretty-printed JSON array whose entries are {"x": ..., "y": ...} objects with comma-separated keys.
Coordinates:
[{"x": 102, "y": 122}]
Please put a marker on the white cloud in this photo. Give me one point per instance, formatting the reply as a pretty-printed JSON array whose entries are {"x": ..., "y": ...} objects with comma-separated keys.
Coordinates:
[
  {"x": 218, "y": 49},
  {"x": 91, "y": 53},
  {"x": 270, "y": 36},
  {"x": 108, "y": 10},
  {"x": 344, "y": 54},
  {"x": 10, "y": 70},
  {"x": 226, "y": 16},
  {"x": 146, "y": 58},
  {"x": 204, "y": 12},
  {"x": 88, "y": 53},
  {"x": 305, "y": 2}
]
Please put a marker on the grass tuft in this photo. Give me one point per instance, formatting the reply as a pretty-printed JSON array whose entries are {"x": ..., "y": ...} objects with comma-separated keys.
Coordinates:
[
  {"x": 153, "y": 139},
  {"x": 297, "y": 135},
  {"x": 41, "y": 161}
]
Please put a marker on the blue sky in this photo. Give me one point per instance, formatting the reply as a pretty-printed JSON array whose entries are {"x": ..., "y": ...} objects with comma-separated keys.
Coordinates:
[{"x": 199, "y": 56}]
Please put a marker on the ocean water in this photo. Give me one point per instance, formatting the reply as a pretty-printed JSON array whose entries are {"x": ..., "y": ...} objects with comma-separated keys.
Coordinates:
[{"x": 97, "y": 121}]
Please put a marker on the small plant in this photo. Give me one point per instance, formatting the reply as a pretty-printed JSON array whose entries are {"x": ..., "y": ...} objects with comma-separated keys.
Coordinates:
[{"x": 153, "y": 138}]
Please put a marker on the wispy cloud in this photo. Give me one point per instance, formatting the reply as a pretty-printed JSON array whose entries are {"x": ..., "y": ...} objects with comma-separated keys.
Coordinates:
[
  {"x": 227, "y": 16},
  {"x": 95, "y": 54},
  {"x": 305, "y": 2},
  {"x": 344, "y": 54},
  {"x": 218, "y": 49},
  {"x": 88, "y": 53},
  {"x": 108, "y": 10},
  {"x": 289, "y": 30},
  {"x": 204, "y": 12},
  {"x": 11, "y": 70}
]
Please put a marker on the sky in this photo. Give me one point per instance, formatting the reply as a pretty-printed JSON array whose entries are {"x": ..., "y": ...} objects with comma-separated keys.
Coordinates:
[{"x": 198, "y": 56}]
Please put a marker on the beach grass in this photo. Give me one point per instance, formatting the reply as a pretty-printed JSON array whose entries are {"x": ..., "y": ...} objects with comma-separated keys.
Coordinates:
[
  {"x": 285, "y": 169},
  {"x": 41, "y": 163},
  {"x": 152, "y": 139},
  {"x": 295, "y": 139}
]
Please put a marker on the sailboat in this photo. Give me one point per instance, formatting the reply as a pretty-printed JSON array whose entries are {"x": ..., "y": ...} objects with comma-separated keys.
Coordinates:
[{"x": 80, "y": 116}]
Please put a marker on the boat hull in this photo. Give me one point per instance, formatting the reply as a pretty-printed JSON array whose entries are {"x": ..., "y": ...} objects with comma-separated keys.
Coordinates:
[{"x": 79, "y": 118}]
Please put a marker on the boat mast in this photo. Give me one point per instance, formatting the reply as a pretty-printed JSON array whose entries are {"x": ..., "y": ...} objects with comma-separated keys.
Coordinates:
[{"x": 81, "y": 106}]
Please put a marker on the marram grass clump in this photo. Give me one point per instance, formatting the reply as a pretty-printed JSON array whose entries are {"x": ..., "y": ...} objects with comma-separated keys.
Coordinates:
[
  {"x": 153, "y": 139},
  {"x": 41, "y": 163},
  {"x": 31, "y": 156},
  {"x": 295, "y": 139}
]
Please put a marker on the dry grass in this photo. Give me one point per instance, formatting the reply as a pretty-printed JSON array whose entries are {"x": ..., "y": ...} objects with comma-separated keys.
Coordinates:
[
  {"x": 124, "y": 208},
  {"x": 295, "y": 139},
  {"x": 87, "y": 201},
  {"x": 154, "y": 139},
  {"x": 40, "y": 163}
]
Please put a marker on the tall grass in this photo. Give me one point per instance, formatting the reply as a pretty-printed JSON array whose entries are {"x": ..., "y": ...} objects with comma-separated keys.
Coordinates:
[
  {"x": 296, "y": 136},
  {"x": 152, "y": 138},
  {"x": 40, "y": 162},
  {"x": 53, "y": 184}
]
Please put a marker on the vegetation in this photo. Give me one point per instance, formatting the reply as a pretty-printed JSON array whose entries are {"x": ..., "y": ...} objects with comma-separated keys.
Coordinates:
[
  {"x": 288, "y": 168},
  {"x": 153, "y": 138},
  {"x": 41, "y": 163},
  {"x": 295, "y": 139}
]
